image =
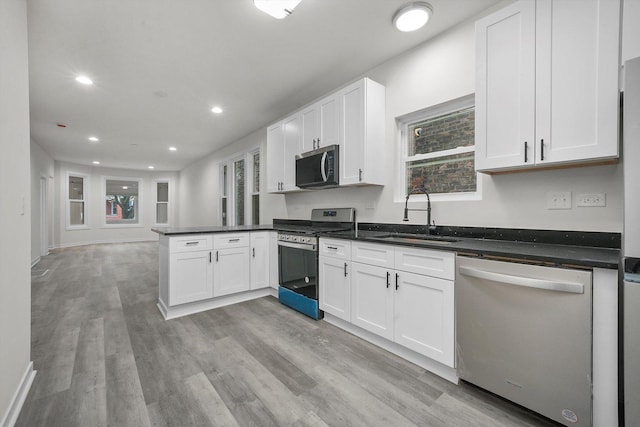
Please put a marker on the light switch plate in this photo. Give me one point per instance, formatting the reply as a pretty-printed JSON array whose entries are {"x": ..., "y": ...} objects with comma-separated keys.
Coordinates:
[{"x": 559, "y": 200}]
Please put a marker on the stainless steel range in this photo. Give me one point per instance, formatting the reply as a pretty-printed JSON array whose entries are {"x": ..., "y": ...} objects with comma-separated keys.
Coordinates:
[{"x": 298, "y": 256}]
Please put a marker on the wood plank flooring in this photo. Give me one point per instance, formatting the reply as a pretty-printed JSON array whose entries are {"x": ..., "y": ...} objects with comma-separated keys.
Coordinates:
[{"x": 106, "y": 357}]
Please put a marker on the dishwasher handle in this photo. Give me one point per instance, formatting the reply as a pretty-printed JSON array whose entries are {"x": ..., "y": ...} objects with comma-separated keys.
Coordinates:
[{"x": 547, "y": 285}]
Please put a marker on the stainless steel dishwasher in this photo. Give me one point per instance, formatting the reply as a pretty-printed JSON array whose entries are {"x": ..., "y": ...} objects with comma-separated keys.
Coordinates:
[{"x": 524, "y": 332}]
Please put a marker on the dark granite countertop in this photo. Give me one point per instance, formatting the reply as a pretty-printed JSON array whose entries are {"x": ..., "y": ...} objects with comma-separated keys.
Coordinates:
[
  {"x": 172, "y": 231},
  {"x": 512, "y": 250},
  {"x": 551, "y": 247}
]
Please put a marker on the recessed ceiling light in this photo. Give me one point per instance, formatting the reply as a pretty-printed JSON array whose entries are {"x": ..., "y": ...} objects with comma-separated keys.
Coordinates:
[
  {"x": 216, "y": 110},
  {"x": 124, "y": 187},
  {"x": 93, "y": 139},
  {"x": 412, "y": 16},
  {"x": 150, "y": 167},
  {"x": 95, "y": 162},
  {"x": 84, "y": 80},
  {"x": 279, "y": 9},
  {"x": 172, "y": 148}
]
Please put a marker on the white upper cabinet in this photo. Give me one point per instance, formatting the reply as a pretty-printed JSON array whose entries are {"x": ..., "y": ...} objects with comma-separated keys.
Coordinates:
[
  {"x": 547, "y": 84},
  {"x": 362, "y": 133},
  {"x": 283, "y": 143},
  {"x": 352, "y": 118},
  {"x": 320, "y": 124}
]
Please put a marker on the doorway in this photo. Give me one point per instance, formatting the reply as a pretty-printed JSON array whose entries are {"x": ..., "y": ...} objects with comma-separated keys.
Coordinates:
[{"x": 44, "y": 229}]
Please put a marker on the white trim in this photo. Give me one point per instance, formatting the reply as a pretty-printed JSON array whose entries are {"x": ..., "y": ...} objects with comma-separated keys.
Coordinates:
[
  {"x": 402, "y": 122},
  {"x": 85, "y": 199},
  {"x": 425, "y": 362},
  {"x": 605, "y": 347},
  {"x": 102, "y": 242},
  {"x": 196, "y": 307},
  {"x": 19, "y": 397},
  {"x": 35, "y": 261},
  {"x": 138, "y": 213}
]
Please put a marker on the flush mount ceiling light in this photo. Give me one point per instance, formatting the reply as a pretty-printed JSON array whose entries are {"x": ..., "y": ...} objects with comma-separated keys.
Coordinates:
[
  {"x": 279, "y": 9},
  {"x": 84, "y": 80},
  {"x": 412, "y": 16}
]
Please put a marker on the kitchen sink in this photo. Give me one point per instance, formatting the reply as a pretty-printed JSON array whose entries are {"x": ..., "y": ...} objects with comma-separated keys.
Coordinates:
[{"x": 416, "y": 238}]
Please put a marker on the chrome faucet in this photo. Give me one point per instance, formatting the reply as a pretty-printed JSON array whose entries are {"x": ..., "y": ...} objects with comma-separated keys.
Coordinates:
[{"x": 430, "y": 227}]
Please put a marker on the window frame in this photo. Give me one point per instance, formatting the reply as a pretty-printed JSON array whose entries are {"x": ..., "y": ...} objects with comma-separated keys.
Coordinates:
[
  {"x": 139, "y": 216},
  {"x": 402, "y": 124},
  {"x": 85, "y": 200},
  {"x": 155, "y": 183},
  {"x": 229, "y": 162}
]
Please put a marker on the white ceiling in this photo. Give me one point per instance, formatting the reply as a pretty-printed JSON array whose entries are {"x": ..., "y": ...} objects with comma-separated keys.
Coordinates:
[{"x": 160, "y": 65}]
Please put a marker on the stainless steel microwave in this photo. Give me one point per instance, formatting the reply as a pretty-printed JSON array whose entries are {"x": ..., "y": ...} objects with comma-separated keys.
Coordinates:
[{"x": 318, "y": 168}]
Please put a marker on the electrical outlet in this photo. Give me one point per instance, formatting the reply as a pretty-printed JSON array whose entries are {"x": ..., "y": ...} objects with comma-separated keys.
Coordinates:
[
  {"x": 591, "y": 199},
  {"x": 559, "y": 200}
]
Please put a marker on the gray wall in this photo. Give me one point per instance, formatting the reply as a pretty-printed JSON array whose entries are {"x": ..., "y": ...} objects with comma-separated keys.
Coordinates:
[
  {"x": 15, "y": 215},
  {"x": 42, "y": 167},
  {"x": 96, "y": 232},
  {"x": 436, "y": 71}
]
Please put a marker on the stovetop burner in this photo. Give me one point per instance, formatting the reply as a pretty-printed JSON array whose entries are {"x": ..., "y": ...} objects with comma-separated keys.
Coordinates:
[{"x": 322, "y": 220}]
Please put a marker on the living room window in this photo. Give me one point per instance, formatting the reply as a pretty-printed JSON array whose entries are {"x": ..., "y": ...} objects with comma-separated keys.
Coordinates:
[
  {"x": 162, "y": 201},
  {"x": 239, "y": 189},
  {"x": 77, "y": 200},
  {"x": 438, "y": 150},
  {"x": 122, "y": 202}
]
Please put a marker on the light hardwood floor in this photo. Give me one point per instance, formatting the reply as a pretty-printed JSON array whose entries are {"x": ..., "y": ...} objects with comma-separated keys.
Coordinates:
[{"x": 105, "y": 356}]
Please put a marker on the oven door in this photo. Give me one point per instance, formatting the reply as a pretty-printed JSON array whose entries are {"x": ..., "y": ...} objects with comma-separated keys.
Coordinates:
[{"x": 298, "y": 268}]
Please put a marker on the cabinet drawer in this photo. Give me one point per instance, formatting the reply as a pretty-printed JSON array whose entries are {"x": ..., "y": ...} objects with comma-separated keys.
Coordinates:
[
  {"x": 426, "y": 262},
  {"x": 335, "y": 248},
  {"x": 196, "y": 242},
  {"x": 373, "y": 253},
  {"x": 228, "y": 240}
]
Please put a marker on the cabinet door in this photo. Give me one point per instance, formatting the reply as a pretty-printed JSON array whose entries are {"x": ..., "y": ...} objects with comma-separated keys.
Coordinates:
[
  {"x": 352, "y": 133},
  {"x": 230, "y": 272},
  {"x": 190, "y": 277},
  {"x": 505, "y": 88},
  {"x": 310, "y": 119},
  {"x": 424, "y": 316},
  {"x": 329, "y": 122},
  {"x": 275, "y": 157},
  {"x": 372, "y": 290},
  {"x": 335, "y": 289},
  {"x": 260, "y": 260},
  {"x": 577, "y": 67},
  {"x": 291, "y": 128}
]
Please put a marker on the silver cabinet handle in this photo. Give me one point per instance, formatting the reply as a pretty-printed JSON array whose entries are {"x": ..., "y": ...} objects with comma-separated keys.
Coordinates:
[
  {"x": 345, "y": 269},
  {"x": 216, "y": 256},
  {"x": 507, "y": 279},
  {"x": 209, "y": 257},
  {"x": 192, "y": 243},
  {"x": 360, "y": 175},
  {"x": 234, "y": 240},
  {"x": 253, "y": 250}
]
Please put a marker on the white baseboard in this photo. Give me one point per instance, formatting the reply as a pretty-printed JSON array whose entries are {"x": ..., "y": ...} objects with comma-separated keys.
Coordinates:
[
  {"x": 19, "y": 397},
  {"x": 430, "y": 365},
  {"x": 34, "y": 262},
  {"x": 102, "y": 242},
  {"x": 196, "y": 307}
]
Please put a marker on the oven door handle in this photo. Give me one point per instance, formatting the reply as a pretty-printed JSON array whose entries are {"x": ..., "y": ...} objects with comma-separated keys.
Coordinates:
[{"x": 302, "y": 246}]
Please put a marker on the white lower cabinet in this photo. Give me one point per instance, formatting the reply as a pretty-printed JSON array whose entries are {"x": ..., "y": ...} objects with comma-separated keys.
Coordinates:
[
  {"x": 231, "y": 261},
  {"x": 424, "y": 316},
  {"x": 335, "y": 286},
  {"x": 260, "y": 242},
  {"x": 190, "y": 275},
  {"x": 372, "y": 299},
  {"x": 403, "y": 294}
]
